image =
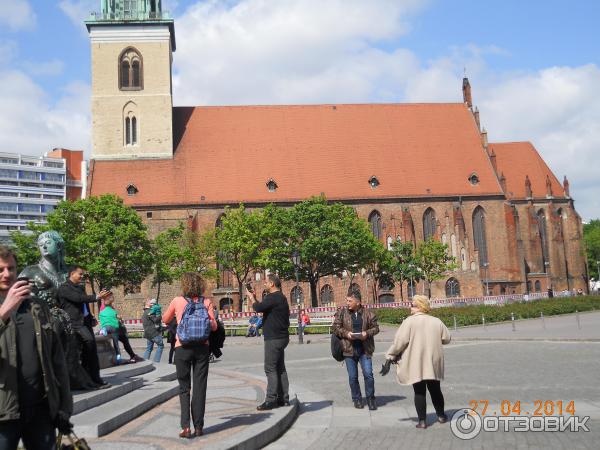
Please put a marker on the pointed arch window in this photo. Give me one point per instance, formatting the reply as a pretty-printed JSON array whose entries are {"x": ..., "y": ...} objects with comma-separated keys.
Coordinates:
[
  {"x": 541, "y": 220},
  {"x": 327, "y": 295},
  {"x": 375, "y": 223},
  {"x": 452, "y": 288},
  {"x": 297, "y": 295},
  {"x": 131, "y": 130},
  {"x": 479, "y": 235},
  {"x": 429, "y": 225},
  {"x": 130, "y": 70}
]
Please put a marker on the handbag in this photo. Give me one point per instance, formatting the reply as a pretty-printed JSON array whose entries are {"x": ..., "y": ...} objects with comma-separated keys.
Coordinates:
[
  {"x": 75, "y": 442},
  {"x": 337, "y": 351}
]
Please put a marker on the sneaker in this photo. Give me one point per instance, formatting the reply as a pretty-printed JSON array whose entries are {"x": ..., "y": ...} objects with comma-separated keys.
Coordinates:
[
  {"x": 136, "y": 358},
  {"x": 372, "y": 404},
  {"x": 266, "y": 406},
  {"x": 118, "y": 359},
  {"x": 358, "y": 404}
]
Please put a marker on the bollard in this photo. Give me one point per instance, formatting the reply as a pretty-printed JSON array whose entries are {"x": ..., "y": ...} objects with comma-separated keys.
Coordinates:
[
  {"x": 483, "y": 320},
  {"x": 454, "y": 323},
  {"x": 543, "y": 321},
  {"x": 578, "y": 322},
  {"x": 512, "y": 318}
]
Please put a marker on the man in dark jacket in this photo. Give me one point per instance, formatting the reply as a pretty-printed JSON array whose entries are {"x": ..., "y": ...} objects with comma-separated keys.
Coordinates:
[
  {"x": 152, "y": 324},
  {"x": 73, "y": 299},
  {"x": 276, "y": 322},
  {"x": 35, "y": 398},
  {"x": 356, "y": 326}
]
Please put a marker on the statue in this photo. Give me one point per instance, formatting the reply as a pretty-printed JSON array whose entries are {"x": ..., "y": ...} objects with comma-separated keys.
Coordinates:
[{"x": 46, "y": 277}]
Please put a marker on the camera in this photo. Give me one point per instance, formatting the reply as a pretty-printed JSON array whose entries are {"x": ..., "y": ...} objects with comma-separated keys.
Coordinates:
[{"x": 249, "y": 287}]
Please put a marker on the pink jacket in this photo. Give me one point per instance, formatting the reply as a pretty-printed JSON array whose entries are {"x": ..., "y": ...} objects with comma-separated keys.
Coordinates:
[{"x": 176, "y": 308}]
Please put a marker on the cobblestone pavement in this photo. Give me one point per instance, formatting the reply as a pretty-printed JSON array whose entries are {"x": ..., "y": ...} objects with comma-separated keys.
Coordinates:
[
  {"x": 560, "y": 362},
  {"x": 230, "y": 410},
  {"x": 525, "y": 369}
]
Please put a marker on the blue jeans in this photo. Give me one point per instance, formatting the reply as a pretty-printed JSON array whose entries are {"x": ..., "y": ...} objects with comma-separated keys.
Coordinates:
[
  {"x": 114, "y": 334},
  {"x": 158, "y": 340},
  {"x": 366, "y": 364}
]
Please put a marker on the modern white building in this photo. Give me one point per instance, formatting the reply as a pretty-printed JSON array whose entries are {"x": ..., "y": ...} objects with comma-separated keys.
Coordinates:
[{"x": 30, "y": 188}]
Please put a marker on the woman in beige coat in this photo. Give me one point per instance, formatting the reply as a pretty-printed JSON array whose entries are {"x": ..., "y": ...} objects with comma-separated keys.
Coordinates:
[{"x": 418, "y": 342}]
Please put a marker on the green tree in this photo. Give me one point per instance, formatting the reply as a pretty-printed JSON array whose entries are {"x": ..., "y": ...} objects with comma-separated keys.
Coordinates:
[
  {"x": 433, "y": 261},
  {"x": 329, "y": 237},
  {"x": 106, "y": 237},
  {"x": 177, "y": 250},
  {"x": 404, "y": 264},
  {"x": 380, "y": 266},
  {"x": 238, "y": 242},
  {"x": 591, "y": 239}
]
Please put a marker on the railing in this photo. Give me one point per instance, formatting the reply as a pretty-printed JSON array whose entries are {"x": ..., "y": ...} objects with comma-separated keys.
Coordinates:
[
  {"x": 129, "y": 15},
  {"x": 435, "y": 303}
]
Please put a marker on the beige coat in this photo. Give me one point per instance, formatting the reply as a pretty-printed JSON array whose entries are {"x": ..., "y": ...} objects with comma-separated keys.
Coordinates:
[{"x": 419, "y": 339}]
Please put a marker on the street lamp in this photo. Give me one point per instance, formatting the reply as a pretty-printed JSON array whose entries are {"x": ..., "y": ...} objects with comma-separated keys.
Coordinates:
[
  {"x": 296, "y": 261},
  {"x": 487, "y": 281}
]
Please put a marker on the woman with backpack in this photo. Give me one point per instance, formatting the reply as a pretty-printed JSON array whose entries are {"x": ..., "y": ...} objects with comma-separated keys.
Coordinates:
[{"x": 195, "y": 321}]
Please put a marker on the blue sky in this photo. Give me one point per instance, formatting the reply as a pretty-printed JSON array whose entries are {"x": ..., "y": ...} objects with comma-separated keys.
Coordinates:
[{"x": 533, "y": 66}]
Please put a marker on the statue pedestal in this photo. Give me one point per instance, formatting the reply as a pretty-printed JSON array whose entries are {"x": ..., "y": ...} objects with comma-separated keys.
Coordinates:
[{"x": 106, "y": 351}]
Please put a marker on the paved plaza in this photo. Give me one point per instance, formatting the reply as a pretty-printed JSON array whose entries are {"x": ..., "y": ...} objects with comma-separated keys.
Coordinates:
[{"x": 555, "y": 361}]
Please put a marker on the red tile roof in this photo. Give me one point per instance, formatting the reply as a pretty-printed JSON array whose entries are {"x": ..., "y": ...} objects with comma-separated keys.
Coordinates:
[
  {"x": 228, "y": 154},
  {"x": 518, "y": 160}
]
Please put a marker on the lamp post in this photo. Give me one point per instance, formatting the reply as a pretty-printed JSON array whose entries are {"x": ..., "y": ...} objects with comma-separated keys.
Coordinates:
[
  {"x": 296, "y": 261},
  {"x": 487, "y": 281}
]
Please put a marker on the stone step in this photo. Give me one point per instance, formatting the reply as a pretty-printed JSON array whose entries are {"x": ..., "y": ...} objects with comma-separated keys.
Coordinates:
[
  {"x": 151, "y": 389},
  {"x": 128, "y": 370},
  {"x": 91, "y": 399}
]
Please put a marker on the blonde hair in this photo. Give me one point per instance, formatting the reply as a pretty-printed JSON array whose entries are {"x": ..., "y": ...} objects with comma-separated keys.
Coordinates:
[{"x": 422, "y": 302}]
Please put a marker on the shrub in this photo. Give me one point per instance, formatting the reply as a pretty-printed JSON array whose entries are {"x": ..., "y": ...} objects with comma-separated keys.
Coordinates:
[{"x": 471, "y": 315}]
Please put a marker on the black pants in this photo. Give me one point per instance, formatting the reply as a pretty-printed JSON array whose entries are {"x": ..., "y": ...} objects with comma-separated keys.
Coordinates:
[
  {"x": 89, "y": 352},
  {"x": 171, "y": 351},
  {"x": 192, "y": 360},
  {"x": 35, "y": 427},
  {"x": 436, "y": 397},
  {"x": 277, "y": 379},
  {"x": 122, "y": 333}
]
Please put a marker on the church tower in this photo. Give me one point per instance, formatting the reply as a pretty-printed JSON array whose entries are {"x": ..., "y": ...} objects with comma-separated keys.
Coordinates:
[{"x": 132, "y": 44}]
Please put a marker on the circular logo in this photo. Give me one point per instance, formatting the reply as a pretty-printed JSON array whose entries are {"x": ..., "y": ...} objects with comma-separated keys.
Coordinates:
[{"x": 465, "y": 424}]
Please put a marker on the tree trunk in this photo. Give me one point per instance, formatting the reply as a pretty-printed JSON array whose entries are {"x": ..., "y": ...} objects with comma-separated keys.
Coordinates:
[
  {"x": 313, "y": 292},
  {"x": 401, "y": 291},
  {"x": 240, "y": 292},
  {"x": 158, "y": 291}
]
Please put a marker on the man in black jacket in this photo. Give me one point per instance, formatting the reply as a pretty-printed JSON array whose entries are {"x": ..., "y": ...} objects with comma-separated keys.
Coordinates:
[
  {"x": 276, "y": 322},
  {"x": 73, "y": 299},
  {"x": 35, "y": 398}
]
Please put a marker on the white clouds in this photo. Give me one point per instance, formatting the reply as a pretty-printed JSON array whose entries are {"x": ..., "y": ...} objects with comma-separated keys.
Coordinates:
[
  {"x": 17, "y": 15},
  {"x": 259, "y": 51},
  {"x": 558, "y": 110},
  {"x": 79, "y": 10},
  {"x": 31, "y": 123},
  {"x": 334, "y": 51},
  {"x": 53, "y": 67}
]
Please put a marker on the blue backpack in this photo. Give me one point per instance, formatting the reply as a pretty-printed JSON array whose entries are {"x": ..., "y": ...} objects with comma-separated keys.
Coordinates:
[{"x": 194, "y": 326}]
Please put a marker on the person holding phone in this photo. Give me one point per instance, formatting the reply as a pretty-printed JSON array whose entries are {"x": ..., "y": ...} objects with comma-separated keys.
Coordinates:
[
  {"x": 356, "y": 326},
  {"x": 276, "y": 322}
]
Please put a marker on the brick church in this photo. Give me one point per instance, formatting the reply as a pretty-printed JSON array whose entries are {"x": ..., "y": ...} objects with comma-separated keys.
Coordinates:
[{"x": 413, "y": 171}]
